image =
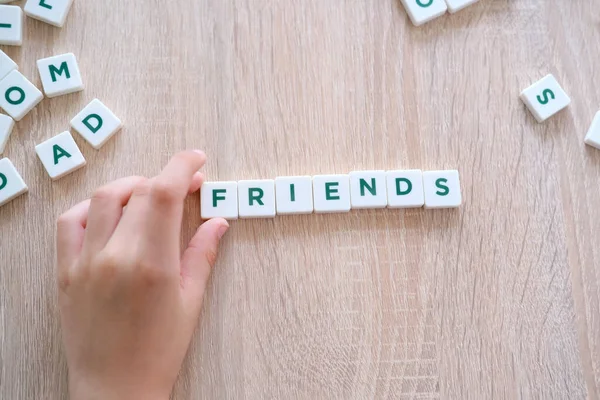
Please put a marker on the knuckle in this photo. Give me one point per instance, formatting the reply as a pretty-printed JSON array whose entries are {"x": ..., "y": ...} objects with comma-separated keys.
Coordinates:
[
  {"x": 138, "y": 179},
  {"x": 102, "y": 194},
  {"x": 142, "y": 188},
  {"x": 63, "y": 280},
  {"x": 77, "y": 275},
  {"x": 109, "y": 258},
  {"x": 66, "y": 219},
  {"x": 63, "y": 219},
  {"x": 107, "y": 264},
  {"x": 150, "y": 274},
  {"x": 164, "y": 192}
]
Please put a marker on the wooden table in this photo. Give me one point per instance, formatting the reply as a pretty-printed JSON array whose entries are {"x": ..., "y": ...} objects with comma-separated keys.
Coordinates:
[{"x": 498, "y": 299}]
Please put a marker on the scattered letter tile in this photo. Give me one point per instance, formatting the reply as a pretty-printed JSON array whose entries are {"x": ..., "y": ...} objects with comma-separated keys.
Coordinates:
[{"x": 60, "y": 155}]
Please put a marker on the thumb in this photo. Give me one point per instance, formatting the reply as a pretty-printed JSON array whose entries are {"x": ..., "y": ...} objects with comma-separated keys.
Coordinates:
[{"x": 199, "y": 259}]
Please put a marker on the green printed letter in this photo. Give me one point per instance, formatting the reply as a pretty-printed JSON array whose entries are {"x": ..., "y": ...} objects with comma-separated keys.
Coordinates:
[
  {"x": 371, "y": 188},
  {"x": 255, "y": 194},
  {"x": 216, "y": 195},
  {"x": 331, "y": 190},
  {"x": 399, "y": 190},
  {"x": 97, "y": 119},
  {"x": 9, "y": 98},
  {"x": 3, "y": 181},
  {"x": 424, "y": 3},
  {"x": 440, "y": 184},
  {"x": 292, "y": 192},
  {"x": 546, "y": 93},
  {"x": 59, "y": 152},
  {"x": 59, "y": 71},
  {"x": 43, "y": 4}
]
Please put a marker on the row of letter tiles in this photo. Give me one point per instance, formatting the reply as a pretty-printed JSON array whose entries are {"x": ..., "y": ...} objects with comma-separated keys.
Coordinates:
[
  {"x": 53, "y": 12},
  {"x": 545, "y": 98},
  {"x": 18, "y": 96},
  {"x": 593, "y": 136},
  {"x": 60, "y": 75},
  {"x": 60, "y": 155},
  {"x": 11, "y": 183},
  {"x": 330, "y": 193},
  {"x": 11, "y": 25}
]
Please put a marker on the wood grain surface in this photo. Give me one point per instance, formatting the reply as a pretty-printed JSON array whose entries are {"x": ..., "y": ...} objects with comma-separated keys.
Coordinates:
[{"x": 498, "y": 299}]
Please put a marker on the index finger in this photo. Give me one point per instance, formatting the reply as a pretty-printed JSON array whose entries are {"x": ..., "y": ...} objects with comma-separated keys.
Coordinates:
[
  {"x": 156, "y": 206},
  {"x": 70, "y": 231},
  {"x": 176, "y": 177}
]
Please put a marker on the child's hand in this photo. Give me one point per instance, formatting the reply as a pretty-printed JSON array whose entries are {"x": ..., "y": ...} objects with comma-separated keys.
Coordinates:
[{"x": 129, "y": 300}]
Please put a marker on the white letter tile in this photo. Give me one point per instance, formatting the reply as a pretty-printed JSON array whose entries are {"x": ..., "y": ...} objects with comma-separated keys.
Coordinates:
[
  {"x": 422, "y": 11},
  {"x": 219, "y": 200},
  {"x": 457, "y": 5},
  {"x": 405, "y": 189},
  {"x": 368, "y": 189},
  {"x": 331, "y": 193},
  {"x": 256, "y": 198},
  {"x": 60, "y": 75},
  {"x": 545, "y": 98},
  {"x": 6, "y": 65},
  {"x": 442, "y": 189},
  {"x": 96, "y": 124},
  {"x": 18, "y": 96},
  {"x": 60, "y": 155},
  {"x": 6, "y": 126},
  {"x": 593, "y": 135},
  {"x": 11, "y": 25},
  {"x": 11, "y": 183},
  {"x": 294, "y": 195},
  {"x": 53, "y": 12}
]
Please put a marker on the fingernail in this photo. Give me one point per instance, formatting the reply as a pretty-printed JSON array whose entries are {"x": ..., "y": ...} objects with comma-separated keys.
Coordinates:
[
  {"x": 199, "y": 152},
  {"x": 222, "y": 230}
]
